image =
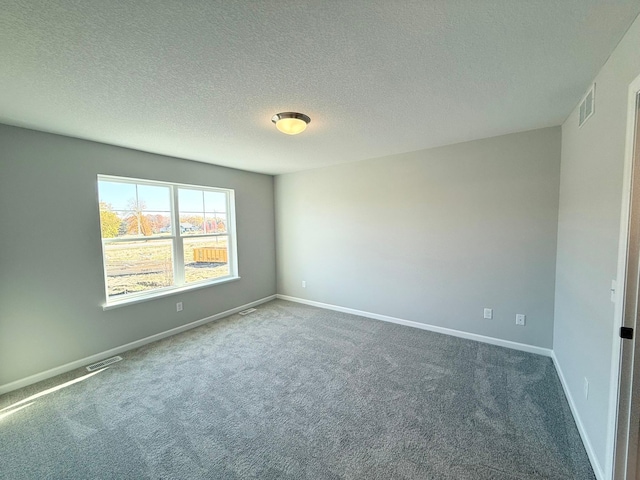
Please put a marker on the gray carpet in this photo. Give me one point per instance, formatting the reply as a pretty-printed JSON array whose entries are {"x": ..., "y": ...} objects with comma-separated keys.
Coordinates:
[{"x": 295, "y": 392}]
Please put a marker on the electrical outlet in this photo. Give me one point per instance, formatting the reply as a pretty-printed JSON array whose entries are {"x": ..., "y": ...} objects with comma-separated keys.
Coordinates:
[
  {"x": 521, "y": 319},
  {"x": 179, "y": 307},
  {"x": 488, "y": 313},
  {"x": 304, "y": 284},
  {"x": 586, "y": 388}
]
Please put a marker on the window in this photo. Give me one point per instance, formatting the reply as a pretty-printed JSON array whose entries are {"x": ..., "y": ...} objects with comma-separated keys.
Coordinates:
[{"x": 159, "y": 237}]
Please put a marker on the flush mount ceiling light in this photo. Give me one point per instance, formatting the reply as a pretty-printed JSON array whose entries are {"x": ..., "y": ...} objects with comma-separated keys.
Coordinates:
[{"x": 291, "y": 123}]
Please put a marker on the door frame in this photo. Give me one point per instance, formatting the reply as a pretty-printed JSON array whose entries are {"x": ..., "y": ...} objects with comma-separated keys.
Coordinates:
[{"x": 622, "y": 454}]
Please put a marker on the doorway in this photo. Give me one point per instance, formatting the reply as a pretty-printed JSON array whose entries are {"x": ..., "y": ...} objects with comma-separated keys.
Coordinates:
[{"x": 626, "y": 445}]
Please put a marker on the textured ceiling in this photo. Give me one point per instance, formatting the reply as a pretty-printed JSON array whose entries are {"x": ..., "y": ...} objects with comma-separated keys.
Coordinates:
[{"x": 200, "y": 79}]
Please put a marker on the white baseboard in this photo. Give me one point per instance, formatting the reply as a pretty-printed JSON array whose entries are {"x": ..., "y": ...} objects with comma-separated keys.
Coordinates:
[
  {"x": 597, "y": 468},
  {"x": 432, "y": 328},
  {"x": 8, "y": 387}
]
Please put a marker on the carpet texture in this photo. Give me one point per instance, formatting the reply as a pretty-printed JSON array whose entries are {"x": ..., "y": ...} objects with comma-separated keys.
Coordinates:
[{"x": 296, "y": 392}]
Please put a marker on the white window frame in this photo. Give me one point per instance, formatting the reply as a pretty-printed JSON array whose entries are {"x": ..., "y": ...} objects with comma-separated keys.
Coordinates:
[{"x": 177, "y": 241}]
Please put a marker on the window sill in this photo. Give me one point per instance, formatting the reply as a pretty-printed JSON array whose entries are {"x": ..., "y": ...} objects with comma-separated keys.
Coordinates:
[{"x": 165, "y": 293}]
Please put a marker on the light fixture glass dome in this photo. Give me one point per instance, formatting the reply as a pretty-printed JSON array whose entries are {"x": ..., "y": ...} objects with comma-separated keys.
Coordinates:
[{"x": 291, "y": 123}]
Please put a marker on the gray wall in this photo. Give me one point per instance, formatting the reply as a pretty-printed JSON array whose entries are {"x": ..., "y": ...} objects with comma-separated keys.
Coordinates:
[
  {"x": 51, "y": 277},
  {"x": 431, "y": 236},
  {"x": 588, "y": 231}
]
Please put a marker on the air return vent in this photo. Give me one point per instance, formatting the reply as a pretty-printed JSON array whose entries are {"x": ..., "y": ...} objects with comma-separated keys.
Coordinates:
[
  {"x": 103, "y": 363},
  {"x": 588, "y": 105}
]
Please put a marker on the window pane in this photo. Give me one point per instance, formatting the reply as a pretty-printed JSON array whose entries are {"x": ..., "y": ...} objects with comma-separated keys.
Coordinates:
[
  {"x": 111, "y": 222},
  {"x": 205, "y": 258},
  {"x": 215, "y": 202},
  {"x": 138, "y": 266},
  {"x": 158, "y": 222},
  {"x": 191, "y": 224},
  {"x": 190, "y": 200},
  {"x": 116, "y": 195},
  {"x": 129, "y": 209},
  {"x": 152, "y": 197},
  {"x": 216, "y": 223},
  {"x": 146, "y": 224}
]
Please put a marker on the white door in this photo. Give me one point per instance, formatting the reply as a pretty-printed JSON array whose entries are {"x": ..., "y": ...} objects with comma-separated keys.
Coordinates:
[{"x": 626, "y": 458}]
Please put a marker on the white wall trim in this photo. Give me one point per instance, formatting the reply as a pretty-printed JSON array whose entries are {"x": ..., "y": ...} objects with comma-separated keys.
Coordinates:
[
  {"x": 8, "y": 387},
  {"x": 597, "y": 468},
  {"x": 424, "y": 326}
]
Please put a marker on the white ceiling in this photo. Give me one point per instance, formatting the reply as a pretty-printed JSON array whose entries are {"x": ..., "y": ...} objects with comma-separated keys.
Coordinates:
[{"x": 200, "y": 79}]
